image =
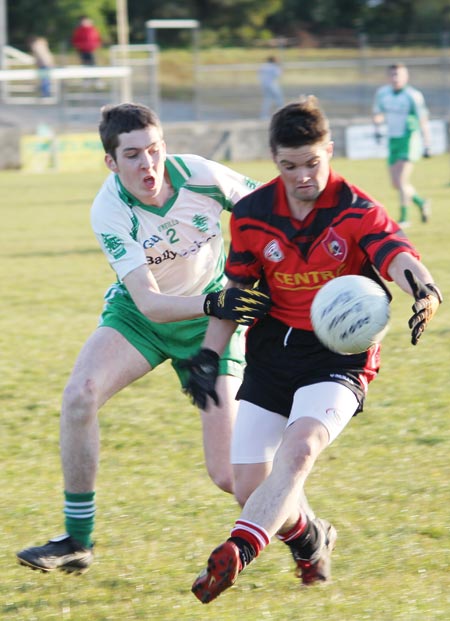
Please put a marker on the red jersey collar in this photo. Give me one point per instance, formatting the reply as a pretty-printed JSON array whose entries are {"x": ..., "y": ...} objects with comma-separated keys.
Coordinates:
[{"x": 328, "y": 198}]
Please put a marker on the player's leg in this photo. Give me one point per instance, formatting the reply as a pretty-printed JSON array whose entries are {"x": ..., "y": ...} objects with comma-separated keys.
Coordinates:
[
  {"x": 414, "y": 154},
  {"x": 274, "y": 504},
  {"x": 266, "y": 510},
  {"x": 106, "y": 364},
  {"x": 217, "y": 425},
  {"x": 312, "y": 539},
  {"x": 252, "y": 453},
  {"x": 218, "y": 421},
  {"x": 400, "y": 175},
  {"x": 319, "y": 414},
  {"x": 408, "y": 193},
  {"x": 403, "y": 153}
]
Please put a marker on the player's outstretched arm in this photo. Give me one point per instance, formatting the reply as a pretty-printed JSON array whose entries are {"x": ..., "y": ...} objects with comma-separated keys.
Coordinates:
[
  {"x": 413, "y": 277},
  {"x": 242, "y": 306}
]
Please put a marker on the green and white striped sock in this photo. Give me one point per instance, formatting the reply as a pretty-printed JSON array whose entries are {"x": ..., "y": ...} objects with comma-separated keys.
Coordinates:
[
  {"x": 79, "y": 511},
  {"x": 403, "y": 213},
  {"x": 419, "y": 201}
]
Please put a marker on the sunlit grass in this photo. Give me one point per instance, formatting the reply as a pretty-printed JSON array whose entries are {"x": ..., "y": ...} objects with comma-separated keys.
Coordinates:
[{"x": 384, "y": 483}]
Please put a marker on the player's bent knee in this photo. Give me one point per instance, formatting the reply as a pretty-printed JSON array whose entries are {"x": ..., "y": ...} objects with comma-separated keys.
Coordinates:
[
  {"x": 242, "y": 495},
  {"x": 223, "y": 480},
  {"x": 298, "y": 458},
  {"x": 80, "y": 399}
]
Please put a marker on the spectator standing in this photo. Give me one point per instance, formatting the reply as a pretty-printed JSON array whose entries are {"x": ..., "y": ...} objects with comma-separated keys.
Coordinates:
[
  {"x": 44, "y": 60},
  {"x": 86, "y": 39},
  {"x": 269, "y": 75}
]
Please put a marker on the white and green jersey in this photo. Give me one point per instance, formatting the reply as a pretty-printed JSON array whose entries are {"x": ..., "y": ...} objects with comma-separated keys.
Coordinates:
[
  {"x": 181, "y": 242},
  {"x": 403, "y": 110}
]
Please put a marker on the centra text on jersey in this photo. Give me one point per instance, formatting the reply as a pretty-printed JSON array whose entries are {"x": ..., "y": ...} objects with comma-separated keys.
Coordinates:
[{"x": 307, "y": 278}]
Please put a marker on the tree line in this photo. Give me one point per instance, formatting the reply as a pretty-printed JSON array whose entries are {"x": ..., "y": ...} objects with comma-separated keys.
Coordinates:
[{"x": 230, "y": 22}]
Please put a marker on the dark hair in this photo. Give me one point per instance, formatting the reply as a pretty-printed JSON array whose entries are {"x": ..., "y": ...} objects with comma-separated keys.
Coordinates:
[
  {"x": 122, "y": 119},
  {"x": 298, "y": 124},
  {"x": 396, "y": 66}
]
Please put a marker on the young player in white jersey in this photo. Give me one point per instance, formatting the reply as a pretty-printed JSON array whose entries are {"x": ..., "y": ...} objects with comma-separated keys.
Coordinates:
[
  {"x": 157, "y": 218},
  {"x": 403, "y": 109}
]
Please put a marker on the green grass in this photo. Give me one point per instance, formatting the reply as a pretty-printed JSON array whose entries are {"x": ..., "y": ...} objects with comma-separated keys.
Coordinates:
[{"x": 384, "y": 482}]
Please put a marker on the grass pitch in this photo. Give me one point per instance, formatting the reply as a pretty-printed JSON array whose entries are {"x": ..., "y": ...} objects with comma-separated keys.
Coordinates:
[{"x": 383, "y": 483}]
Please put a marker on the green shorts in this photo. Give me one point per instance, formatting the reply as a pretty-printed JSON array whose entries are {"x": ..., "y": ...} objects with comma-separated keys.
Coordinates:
[
  {"x": 408, "y": 148},
  {"x": 176, "y": 340}
]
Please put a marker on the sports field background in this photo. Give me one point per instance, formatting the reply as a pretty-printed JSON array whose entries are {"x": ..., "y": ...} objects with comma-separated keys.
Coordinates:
[{"x": 384, "y": 483}]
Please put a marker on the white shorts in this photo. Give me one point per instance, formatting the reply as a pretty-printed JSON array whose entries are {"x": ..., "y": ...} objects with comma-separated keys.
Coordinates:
[{"x": 258, "y": 432}]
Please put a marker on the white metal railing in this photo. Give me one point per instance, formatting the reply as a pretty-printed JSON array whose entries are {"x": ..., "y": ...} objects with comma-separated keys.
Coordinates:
[
  {"x": 17, "y": 56},
  {"x": 62, "y": 75}
]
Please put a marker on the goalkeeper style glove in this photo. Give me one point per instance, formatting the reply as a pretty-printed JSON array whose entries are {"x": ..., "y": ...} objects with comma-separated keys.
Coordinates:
[
  {"x": 203, "y": 371},
  {"x": 239, "y": 305},
  {"x": 427, "y": 299},
  {"x": 427, "y": 152}
]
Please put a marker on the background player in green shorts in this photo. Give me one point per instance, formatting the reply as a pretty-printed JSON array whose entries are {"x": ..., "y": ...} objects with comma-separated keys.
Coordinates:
[
  {"x": 157, "y": 219},
  {"x": 403, "y": 109}
]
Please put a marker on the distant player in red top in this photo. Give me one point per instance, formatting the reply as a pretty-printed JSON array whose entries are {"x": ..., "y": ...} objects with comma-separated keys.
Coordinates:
[
  {"x": 307, "y": 226},
  {"x": 86, "y": 39}
]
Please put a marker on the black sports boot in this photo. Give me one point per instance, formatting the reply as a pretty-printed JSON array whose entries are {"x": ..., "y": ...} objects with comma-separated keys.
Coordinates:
[{"x": 64, "y": 553}]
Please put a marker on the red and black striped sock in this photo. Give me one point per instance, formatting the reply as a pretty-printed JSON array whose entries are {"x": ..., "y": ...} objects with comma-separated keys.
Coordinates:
[{"x": 302, "y": 538}]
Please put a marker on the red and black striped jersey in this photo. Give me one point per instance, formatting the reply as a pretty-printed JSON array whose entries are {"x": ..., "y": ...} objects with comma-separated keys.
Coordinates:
[{"x": 346, "y": 231}]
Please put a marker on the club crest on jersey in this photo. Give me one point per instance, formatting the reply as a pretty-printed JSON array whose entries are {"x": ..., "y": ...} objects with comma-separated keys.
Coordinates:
[
  {"x": 200, "y": 222},
  {"x": 114, "y": 245},
  {"x": 335, "y": 246},
  {"x": 273, "y": 252}
]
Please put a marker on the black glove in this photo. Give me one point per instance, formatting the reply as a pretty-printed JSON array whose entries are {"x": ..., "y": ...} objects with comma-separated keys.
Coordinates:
[
  {"x": 378, "y": 136},
  {"x": 239, "y": 305},
  {"x": 428, "y": 297},
  {"x": 427, "y": 152},
  {"x": 203, "y": 371}
]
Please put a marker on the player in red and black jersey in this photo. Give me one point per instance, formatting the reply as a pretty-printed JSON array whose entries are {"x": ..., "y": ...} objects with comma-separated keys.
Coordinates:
[
  {"x": 344, "y": 231},
  {"x": 307, "y": 226}
]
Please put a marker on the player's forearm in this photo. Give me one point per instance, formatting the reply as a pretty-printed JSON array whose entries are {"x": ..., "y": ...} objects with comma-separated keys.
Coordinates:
[
  {"x": 157, "y": 306},
  {"x": 162, "y": 308},
  {"x": 218, "y": 334},
  {"x": 404, "y": 261},
  {"x": 233, "y": 304}
]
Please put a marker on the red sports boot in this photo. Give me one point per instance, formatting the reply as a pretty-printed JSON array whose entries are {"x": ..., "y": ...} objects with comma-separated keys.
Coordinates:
[
  {"x": 318, "y": 567},
  {"x": 223, "y": 567}
]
